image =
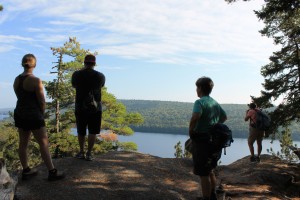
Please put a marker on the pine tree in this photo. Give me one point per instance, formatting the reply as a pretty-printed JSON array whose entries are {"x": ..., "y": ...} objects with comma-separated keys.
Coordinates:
[
  {"x": 178, "y": 150},
  {"x": 60, "y": 90},
  {"x": 282, "y": 74},
  {"x": 61, "y": 107}
]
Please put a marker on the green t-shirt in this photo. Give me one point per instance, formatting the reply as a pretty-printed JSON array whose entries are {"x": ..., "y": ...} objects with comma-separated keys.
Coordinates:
[{"x": 210, "y": 113}]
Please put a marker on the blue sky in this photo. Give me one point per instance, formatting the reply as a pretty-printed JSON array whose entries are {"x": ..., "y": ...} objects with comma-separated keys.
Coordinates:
[{"x": 149, "y": 49}]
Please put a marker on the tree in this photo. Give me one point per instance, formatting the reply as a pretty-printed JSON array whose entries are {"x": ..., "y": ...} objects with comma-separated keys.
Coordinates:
[
  {"x": 285, "y": 152},
  {"x": 179, "y": 153},
  {"x": 115, "y": 117},
  {"x": 9, "y": 148},
  {"x": 60, "y": 90},
  {"x": 178, "y": 150},
  {"x": 62, "y": 95},
  {"x": 1, "y": 7},
  {"x": 282, "y": 74}
]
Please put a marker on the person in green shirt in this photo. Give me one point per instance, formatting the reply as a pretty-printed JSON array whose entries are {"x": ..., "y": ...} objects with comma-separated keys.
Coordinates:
[{"x": 206, "y": 113}]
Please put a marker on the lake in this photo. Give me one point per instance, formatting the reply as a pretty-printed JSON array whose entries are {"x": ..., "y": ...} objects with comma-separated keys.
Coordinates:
[{"x": 162, "y": 145}]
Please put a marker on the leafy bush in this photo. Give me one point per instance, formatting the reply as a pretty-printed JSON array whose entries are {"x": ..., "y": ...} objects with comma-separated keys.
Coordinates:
[{"x": 285, "y": 153}]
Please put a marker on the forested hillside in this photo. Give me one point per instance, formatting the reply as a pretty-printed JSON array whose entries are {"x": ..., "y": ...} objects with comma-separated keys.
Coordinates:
[{"x": 173, "y": 117}]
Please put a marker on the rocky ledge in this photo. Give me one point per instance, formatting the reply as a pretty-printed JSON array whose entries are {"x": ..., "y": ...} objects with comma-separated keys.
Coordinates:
[{"x": 131, "y": 175}]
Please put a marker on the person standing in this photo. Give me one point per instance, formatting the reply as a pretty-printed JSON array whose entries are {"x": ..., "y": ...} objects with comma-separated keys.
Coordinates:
[
  {"x": 206, "y": 113},
  {"x": 88, "y": 110},
  {"x": 254, "y": 133},
  {"x": 29, "y": 118}
]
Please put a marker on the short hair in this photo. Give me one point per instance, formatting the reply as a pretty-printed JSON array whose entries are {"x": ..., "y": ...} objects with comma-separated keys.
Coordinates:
[
  {"x": 206, "y": 85},
  {"x": 29, "y": 61}
]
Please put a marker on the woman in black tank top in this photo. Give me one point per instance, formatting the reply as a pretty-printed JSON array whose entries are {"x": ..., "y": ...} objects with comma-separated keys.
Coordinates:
[{"x": 28, "y": 116}]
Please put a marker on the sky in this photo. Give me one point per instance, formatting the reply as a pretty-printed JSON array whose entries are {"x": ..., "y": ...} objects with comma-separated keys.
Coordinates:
[{"x": 148, "y": 49}]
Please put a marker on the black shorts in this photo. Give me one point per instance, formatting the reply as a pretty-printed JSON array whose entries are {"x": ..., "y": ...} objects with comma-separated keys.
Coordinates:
[
  {"x": 28, "y": 124},
  {"x": 203, "y": 159},
  {"x": 90, "y": 121}
]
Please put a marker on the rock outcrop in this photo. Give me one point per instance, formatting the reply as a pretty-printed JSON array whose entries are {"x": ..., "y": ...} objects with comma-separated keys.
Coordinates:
[{"x": 130, "y": 175}]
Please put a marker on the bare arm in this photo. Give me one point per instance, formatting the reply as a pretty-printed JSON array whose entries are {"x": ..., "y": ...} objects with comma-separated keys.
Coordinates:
[
  {"x": 247, "y": 117},
  {"x": 16, "y": 83},
  {"x": 39, "y": 91},
  {"x": 193, "y": 123},
  {"x": 74, "y": 79}
]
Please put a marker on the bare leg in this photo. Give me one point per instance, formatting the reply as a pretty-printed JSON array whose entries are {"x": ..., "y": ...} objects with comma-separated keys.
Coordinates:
[
  {"x": 251, "y": 148},
  {"x": 24, "y": 137},
  {"x": 91, "y": 141},
  {"x": 213, "y": 181},
  {"x": 205, "y": 185},
  {"x": 81, "y": 141},
  {"x": 259, "y": 147},
  {"x": 42, "y": 139}
]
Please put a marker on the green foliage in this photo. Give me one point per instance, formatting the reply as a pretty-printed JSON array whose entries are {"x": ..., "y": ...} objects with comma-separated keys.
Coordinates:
[
  {"x": 173, "y": 117},
  {"x": 61, "y": 113},
  {"x": 127, "y": 146},
  {"x": 180, "y": 153},
  {"x": 282, "y": 74},
  {"x": 115, "y": 116},
  {"x": 282, "y": 24},
  {"x": 1, "y": 7},
  {"x": 63, "y": 143},
  {"x": 285, "y": 153},
  {"x": 178, "y": 150},
  {"x": 60, "y": 90},
  {"x": 9, "y": 146}
]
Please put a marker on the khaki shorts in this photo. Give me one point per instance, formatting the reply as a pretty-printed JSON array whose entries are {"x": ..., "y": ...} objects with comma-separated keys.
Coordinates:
[{"x": 255, "y": 134}]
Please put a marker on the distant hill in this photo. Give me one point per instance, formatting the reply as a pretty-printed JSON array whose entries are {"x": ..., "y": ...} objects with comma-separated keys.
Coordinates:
[{"x": 173, "y": 117}]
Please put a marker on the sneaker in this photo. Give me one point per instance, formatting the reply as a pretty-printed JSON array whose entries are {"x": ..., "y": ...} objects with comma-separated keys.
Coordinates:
[
  {"x": 80, "y": 155},
  {"x": 54, "y": 175},
  {"x": 89, "y": 156},
  {"x": 28, "y": 173},
  {"x": 252, "y": 159}
]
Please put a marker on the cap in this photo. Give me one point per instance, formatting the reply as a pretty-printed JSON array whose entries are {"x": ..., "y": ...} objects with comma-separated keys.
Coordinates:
[{"x": 90, "y": 59}]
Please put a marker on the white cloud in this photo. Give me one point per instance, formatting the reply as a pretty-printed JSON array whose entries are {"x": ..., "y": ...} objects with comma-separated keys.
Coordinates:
[
  {"x": 6, "y": 48},
  {"x": 159, "y": 31},
  {"x": 13, "y": 38}
]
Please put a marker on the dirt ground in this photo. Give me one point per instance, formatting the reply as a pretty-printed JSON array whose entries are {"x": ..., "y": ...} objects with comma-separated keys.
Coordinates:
[{"x": 136, "y": 176}]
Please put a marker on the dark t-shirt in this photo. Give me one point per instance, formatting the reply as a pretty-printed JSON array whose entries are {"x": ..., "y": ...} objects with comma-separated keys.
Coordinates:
[{"x": 85, "y": 81}]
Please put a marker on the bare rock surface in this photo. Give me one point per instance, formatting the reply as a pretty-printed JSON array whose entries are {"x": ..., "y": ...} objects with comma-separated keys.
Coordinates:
[{"x": 136, "y": 176}]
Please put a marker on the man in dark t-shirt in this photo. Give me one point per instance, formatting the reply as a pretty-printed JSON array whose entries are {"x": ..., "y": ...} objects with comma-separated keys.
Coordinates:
[{"x": 88, "y": 83}]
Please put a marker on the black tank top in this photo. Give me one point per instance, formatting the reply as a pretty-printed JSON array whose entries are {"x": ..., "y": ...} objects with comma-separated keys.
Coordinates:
[{"x": 27, "y": 104}]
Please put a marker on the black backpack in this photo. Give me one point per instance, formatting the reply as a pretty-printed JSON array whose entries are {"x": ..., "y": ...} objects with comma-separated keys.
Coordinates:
[
  {"x": 89, "y": 104},
  {"x": 221, "y": 137},
  {"x": 263, "y": 121}
]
